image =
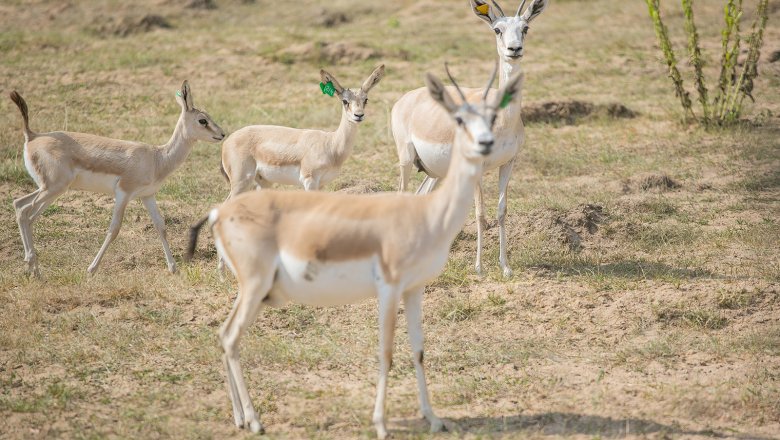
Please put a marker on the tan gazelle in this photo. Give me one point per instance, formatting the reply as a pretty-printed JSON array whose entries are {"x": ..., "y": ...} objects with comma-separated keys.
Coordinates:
[
  {"x": 424, "y": 133},
  {"x": 61, "y": 160},
  {"x": 261, "y": 155},
  {"x": 327, "y": 249}
]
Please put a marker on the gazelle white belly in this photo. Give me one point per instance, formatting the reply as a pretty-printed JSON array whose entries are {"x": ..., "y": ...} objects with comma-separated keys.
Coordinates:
[
  {"x": 96, "y": 182},
  {"x": 285, "y": 175},
  {"x": 331, "y": 283},
  {"x": 435, "y": 157}
]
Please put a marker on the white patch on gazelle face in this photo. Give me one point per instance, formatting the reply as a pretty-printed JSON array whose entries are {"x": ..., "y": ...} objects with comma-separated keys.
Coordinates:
[
  {"x": 354, "y": 104},
  {"x": 510, "y": 37},
  {"x": 478, "y": 126}
]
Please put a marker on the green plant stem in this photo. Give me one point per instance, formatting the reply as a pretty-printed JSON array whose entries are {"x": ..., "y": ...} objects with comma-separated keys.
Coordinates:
[
  {"x": 671, "y": 61},
  {"x": 694, "y": 51}
]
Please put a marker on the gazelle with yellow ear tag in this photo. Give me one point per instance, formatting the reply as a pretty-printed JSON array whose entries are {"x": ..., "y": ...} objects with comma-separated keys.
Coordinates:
[{"x": 424, "y": 134}]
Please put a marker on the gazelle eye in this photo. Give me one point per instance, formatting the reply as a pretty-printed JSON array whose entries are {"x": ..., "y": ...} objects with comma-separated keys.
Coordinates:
[
  {"x": 365, "y": 101},
  {"x": 493, "y": 120},
  {"x": 459, "y": 120},
  {"x": 203, "y": 122},
  {"x": 345, "y": 101},
  {"x": 497, "y": 31}
]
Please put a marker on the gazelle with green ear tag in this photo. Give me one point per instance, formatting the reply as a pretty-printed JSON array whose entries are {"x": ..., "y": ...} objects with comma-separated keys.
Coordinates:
[
  {"x": 261, "y": 155},
  {"x": 424, "y": 134},
  {"x": 60, "y": 160},
  {"x": 329, "y": 249}
]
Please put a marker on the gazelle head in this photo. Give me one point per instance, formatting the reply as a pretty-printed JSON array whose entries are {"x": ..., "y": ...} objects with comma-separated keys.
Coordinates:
[
  {"x": 475, "y": 121},
  {"x": 355, "y": 102},
  {"x": 510, "y": 31},
  {"x": 197, "y": 123}
]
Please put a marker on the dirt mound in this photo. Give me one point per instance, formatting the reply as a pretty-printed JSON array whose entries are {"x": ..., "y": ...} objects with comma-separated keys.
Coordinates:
[
  {"x": 658, "y": 182},
  {"x": 573, "y": 112},
  {"x": 130, "y": 25},
  {"x": 329, "y": 19},
  {"x": 201, "y": 4},
  {"x": 324, "y": 52},
  {"x": 359, "y": 187},
  {"x": 569, "y": 227}
]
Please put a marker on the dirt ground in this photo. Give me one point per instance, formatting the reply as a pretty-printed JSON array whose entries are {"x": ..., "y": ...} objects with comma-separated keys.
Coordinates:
[{"x": 645, "y": 301}]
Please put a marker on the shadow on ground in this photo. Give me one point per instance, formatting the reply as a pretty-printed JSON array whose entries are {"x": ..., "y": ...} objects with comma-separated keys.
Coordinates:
[{"x": 558, "y": 423}]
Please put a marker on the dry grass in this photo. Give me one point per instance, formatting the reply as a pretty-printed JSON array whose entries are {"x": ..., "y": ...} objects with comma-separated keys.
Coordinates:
[{"x": 662, "y": 323}]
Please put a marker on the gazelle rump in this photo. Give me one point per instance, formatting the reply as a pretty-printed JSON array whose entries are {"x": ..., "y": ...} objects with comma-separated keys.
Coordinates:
[
  {"x": 261, "y": 155},
  {"x": 325, "y": 249},
  {"x": 60, "y": 160},
  {"x": 424, "y": 134}
]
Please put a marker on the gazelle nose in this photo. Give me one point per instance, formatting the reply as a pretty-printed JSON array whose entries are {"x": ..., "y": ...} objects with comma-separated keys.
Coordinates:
[{"x": 515, "y": 47}]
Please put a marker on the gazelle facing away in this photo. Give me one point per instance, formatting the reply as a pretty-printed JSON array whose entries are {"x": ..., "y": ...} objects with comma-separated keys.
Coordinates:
[
  {"x": 424, "y": 133},
  {"x": 60, "y": 160},
  {"x": 325, "y": 249},
  {"x": 261, "y": 155}
]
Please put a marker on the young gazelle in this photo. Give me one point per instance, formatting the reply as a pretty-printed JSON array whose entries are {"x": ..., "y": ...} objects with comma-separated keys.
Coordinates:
[
  {"x": 424, "y": 134},
  {"x": 60, "y": 160},
  {"x": 261, "y": 155},
  {"x": 325, "y": 249}
]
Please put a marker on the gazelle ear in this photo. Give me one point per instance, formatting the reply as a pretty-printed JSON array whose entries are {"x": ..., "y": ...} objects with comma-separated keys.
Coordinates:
[
  {"x": 184, "y": 96},
  {"x": 482, "y": 10},
  {"x": 439, "y": 93},
  {"x": 373, "y": 79},
  {"x": 509, "y": 92},
  {"x": 327, "y": 77},
  {"x": 534, "y": 9}
]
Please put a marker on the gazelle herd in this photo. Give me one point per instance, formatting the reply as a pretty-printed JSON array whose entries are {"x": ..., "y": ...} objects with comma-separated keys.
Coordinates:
[{"x": 313, "y": 247}]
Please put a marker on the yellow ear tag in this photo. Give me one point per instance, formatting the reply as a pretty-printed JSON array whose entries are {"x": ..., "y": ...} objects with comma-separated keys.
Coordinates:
[{"x": 483, "y": 9}]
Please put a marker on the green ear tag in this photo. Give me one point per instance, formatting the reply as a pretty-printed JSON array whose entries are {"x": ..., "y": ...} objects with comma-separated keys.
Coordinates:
[
  {"x": 178, "y": 93},
  {"x": 505, "y": 100},
  {"x": 327, "y": 89}
]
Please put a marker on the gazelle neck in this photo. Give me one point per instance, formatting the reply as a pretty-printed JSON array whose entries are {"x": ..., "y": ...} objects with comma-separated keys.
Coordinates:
[
  {"x": 510, "y": 117},
  {"x": 176, "y": 149},
  {"x": 344, "y": 137},
  {"x": 450, "y": 204}
]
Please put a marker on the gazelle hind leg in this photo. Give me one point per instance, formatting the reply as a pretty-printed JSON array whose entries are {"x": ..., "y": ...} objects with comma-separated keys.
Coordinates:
[
  {"x": 504, "y": 173},
  {"x": 413, "y": 306},
  {"x": 159, "y": 223},
  {"x": 248, "y": 305},
  {"x": 19, "y": 208},
  {"x": 26, "y": 215}
]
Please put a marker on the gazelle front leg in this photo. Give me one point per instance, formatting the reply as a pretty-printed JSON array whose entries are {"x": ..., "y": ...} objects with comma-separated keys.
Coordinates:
[
  {"x": 413, "y": 306},
  {"x": 120, "y": 203},
  {"x": 389, "y": 297},
  {"x": 159, "y": 223},
  {"x": 479, "y": 211},
  {"x": 504, "y": 173}
]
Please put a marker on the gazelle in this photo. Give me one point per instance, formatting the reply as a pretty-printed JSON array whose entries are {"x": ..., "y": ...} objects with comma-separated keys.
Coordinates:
[
  {"x": 60, "y": 160},
  {"x": 261, "y": 155},
  {"x": 325, "y": 249},
  {"x": 424, "y": 133}
]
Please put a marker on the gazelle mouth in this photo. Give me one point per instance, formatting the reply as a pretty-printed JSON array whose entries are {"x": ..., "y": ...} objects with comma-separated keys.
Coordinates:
[{"x": 218, "y": 138}]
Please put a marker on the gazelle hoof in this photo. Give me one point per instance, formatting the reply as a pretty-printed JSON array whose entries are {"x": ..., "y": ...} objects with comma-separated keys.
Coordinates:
[
  {"x": 437, "y": 425},
  {"x": 507, "y": 273},
  {"x": 172, "y": 269},
  {"x": 256, "y": 427}
]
